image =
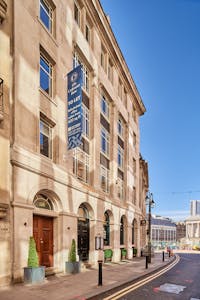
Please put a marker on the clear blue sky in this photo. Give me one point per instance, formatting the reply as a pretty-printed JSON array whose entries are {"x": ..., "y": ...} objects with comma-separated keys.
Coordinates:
[{"x": 160, "y": 40}]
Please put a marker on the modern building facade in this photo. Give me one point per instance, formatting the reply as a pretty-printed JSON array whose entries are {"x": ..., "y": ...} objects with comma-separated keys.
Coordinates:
[
  {"x": 46, "y": 190},
  {"x": 163, "y": 232},
  {"x": 193, "y": 224}
]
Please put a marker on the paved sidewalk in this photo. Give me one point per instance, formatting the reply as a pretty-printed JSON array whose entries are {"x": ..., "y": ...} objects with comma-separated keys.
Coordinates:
[{"x": 85, "y": 284}]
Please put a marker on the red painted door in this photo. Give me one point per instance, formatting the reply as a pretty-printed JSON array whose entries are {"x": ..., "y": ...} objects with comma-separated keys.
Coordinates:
[{"x": 43, "y": 235}]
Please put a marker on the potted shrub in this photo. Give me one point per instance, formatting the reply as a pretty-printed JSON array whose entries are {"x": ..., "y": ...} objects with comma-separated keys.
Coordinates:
[
  {"x": 134, "y": 252},
  {"x": 72, "y": 266},
  {"x": 123, "y": 253},
  {"x": 108, "y": 253},
  {"x": 33, "y": 273}
]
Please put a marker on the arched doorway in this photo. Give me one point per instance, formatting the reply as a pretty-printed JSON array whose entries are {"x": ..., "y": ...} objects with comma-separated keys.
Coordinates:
[
  {"x": 83, "y": 233},
  {"x": 43, "y": 231},
  {"x": 122, "y": 230},
  {"x": 106, "y": 229}
]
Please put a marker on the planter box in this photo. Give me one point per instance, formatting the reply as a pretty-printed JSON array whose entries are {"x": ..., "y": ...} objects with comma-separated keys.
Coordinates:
[
  {"x": 72, "y": 267},
  {"x": 108, "y": 253},
  {"x": 34, "y": 275}
]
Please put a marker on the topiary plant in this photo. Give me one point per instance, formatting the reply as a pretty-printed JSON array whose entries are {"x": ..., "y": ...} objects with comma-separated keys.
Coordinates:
[
  {"x": 108, "y": 253},
  {"x": 123, "y": 252},
  {"x": 72, "y": 252},
  {"x": 33, "y": 260},
  {"x": 134, "y": 251}
]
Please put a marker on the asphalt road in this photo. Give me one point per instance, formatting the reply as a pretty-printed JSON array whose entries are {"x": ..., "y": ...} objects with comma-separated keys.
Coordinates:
[{"x": 181, "y": 282}]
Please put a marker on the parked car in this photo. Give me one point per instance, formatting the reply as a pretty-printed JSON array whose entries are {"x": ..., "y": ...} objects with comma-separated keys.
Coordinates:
[{"x": 145, "y": 251}]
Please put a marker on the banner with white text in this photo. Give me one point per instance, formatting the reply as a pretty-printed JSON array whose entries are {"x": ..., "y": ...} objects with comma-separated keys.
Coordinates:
[{"x": 75, "y": 107}]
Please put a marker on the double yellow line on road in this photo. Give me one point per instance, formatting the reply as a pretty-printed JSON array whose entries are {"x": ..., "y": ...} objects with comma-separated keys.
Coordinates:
[{"x": 136, "y": 285}]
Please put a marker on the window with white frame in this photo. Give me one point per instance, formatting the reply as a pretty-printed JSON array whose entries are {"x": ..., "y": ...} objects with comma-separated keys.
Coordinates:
[
  {"x": 105, "y": 141},
  {"x": 85, "y": 121},
  {"x": 104, "y": 179},
  {"x": 105, "y": 106},
  {"x": 120, "y": 188},
  {"x": 45, "y": 139},
  {"x": 120, "y": 157},
  {"x": 120, "y": 127},
  {"x": 81, "y": 165},
  {"x": 76, "y": 62},
  {"x": 77, "y": 14},
  {"x": 46, "y": 72},
  {"x": 46, "y": 15}
]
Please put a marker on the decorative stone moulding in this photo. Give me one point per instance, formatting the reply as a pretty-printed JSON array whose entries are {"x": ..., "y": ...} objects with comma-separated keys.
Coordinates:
[
  {"x": 3, "y": 10},
  {"x": 3, "y": 210}
]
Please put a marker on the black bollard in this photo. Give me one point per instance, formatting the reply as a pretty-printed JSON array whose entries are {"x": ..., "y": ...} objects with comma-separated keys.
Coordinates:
[
  {"x": 163, "y": 256},
  {"x": 169, "y": 253},
  {"x": 147, "y": 259},
  {"x": 100, "y": 272}
]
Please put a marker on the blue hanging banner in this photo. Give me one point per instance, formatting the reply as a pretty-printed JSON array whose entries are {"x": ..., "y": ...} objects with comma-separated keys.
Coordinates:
[{"x": 75, "y": 107}]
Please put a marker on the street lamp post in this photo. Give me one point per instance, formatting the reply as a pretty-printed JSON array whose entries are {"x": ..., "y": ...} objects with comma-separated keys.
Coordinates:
[{"x": 150, "y": 202}]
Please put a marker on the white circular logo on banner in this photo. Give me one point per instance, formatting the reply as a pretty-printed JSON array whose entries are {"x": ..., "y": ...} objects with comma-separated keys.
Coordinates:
[{"x": 74, "y": 77}]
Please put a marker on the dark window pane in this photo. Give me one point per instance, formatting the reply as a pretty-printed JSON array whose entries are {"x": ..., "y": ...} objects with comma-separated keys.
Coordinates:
[
  {"x": 44, "y": 64},
  {"x": 44, "y": 145},
  {"x": 45, "y": 15},
  {"x": 44, "y": 5},
  {"x": 44, "y": 81},
  {"x": 45, "y": 18}
]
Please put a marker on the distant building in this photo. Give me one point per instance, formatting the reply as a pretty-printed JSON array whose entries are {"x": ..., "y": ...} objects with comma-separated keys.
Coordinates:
[
  {"x": 193, "y": 224},
  {"x": 195, "y": 207},
  {"x": 163, "y": 232},
  {"x": 180, "y": 231}
]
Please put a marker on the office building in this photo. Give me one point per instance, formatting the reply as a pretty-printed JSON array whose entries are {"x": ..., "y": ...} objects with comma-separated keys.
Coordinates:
[{"x": 47, "y": 190}]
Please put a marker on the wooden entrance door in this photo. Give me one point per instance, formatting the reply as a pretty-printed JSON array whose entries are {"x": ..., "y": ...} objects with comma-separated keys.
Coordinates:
[{"x": 43, "y": 235}]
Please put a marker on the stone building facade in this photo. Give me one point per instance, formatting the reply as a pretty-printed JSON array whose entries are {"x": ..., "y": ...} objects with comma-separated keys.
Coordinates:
[
  {"x": 163, "y": 232},
  {"x": 193, "y": 224},
  {"x": 46, "y": 190}
]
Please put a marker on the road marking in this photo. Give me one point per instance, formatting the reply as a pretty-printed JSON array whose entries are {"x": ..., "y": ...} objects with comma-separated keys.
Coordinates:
[
  {"x": 142, "y": 282},
  {"x": 171, "y": 288},
  {"x": 194, "y": 299}
]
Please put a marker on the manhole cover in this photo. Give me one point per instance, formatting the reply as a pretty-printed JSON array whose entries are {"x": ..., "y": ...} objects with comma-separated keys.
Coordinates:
[{"x": 171, "y": 288}]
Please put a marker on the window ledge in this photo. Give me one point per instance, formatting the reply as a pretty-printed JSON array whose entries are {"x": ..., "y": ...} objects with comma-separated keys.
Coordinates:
[{"x": 47, "y": 96}]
